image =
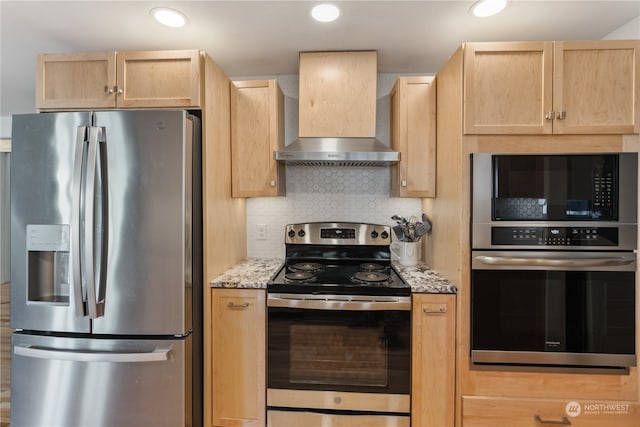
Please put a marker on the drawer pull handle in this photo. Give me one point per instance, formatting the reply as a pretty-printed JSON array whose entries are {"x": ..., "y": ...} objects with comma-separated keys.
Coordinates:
[
  {"x": 564, "y": 421},
  {"x": 439, "y": 309},
  {"x": 234, "y": 306}
]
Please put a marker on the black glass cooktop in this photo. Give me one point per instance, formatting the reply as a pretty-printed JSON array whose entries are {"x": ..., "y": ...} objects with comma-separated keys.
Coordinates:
[{"x": 338, "y": 277}]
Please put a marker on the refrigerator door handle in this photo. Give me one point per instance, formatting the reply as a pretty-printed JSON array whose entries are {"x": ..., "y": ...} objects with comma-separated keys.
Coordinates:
[
  {"x": 158, "y": 354},
  {"x": 94, "y": 307},
  {"x": 76, "y": 259}
]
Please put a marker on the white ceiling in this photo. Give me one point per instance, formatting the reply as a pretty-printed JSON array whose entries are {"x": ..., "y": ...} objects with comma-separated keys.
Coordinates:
[{"x": 263, "y": 38}]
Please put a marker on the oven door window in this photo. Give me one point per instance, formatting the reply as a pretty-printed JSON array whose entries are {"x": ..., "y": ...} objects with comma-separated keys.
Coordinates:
[
  {"x": 358, "y": 351},
  {"x": 555, "y": 187},
  {"x": 553, "y": 311}
]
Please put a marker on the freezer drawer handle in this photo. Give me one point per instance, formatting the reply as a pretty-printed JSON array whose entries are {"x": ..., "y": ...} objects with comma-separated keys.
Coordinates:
[{"x": 159, "y": 354}]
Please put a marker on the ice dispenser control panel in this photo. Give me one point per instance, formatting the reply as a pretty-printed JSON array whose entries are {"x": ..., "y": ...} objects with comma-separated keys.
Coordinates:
[{"x": 48, "y": 237}]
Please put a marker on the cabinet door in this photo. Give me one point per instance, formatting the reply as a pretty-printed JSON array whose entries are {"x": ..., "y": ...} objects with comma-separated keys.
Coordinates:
[
  {"x": 596, "y": 87},
  {"x": 158, "y": 79},
  {"x": 494, "y": 411},
  {"x": 413, "y": 134},
  {"x": 75, "y": 81},
  {"x": 238, "y": 351},
  {"x": 507, "y": 88},
  {"x": 337, "y": 94},
  {"x": 257, "y": 130},
  {"x": 433, "y": 360}
]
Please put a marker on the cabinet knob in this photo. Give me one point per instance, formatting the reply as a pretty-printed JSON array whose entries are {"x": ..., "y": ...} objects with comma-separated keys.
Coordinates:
[
  {"x": 272, "y": 183},
  {"x": 403, "y": 183},
  {"x": 108, "y": 90},
  {"x": 551, "y": 115}
]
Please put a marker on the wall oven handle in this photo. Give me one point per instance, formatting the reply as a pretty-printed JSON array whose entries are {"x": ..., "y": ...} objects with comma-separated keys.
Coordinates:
[
  {"x": 339, "y": 302},
  {"x": 564, "y": 421},
  {"x": 553, "y": 262}
]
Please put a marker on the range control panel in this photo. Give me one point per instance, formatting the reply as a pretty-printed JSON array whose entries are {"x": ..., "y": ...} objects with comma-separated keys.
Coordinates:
[
  {"x": 338, "y": 233},
  {"x": 555, "y": 236}
]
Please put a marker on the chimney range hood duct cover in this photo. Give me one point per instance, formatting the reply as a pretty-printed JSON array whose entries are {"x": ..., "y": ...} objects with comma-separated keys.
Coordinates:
[{"x": 337, "y": 152}]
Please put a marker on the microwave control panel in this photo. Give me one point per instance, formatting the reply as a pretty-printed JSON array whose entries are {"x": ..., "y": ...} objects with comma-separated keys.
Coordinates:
[{"x": 555, "y": 236}]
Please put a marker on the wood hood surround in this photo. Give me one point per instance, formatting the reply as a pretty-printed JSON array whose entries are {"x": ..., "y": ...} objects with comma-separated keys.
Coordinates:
[
  {"x": 337, "y": 94},
  {"x": 337, "y": 112}
]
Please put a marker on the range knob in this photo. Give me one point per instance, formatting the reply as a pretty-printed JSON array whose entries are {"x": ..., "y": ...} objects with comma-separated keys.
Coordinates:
[
  {"x": 301, "y": 233},
  {"x": 291, "y": 234},
  {"x": 384, "y": 235},
  {"x": 374, "y": 234}
]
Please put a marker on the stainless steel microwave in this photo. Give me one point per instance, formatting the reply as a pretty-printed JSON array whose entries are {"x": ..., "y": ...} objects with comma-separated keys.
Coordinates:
[{"x": 555, "y": 201}]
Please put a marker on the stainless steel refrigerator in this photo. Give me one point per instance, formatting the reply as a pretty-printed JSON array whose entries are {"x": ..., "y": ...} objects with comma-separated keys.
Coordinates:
[{"x": 106, "y": 269}]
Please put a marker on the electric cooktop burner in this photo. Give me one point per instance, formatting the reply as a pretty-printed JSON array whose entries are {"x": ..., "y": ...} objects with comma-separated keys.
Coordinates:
[
  {"x": 299, "y": 277},
  {"x": 369, "y": 277},
  {"x": 310, "y": 267},
  {"x": 371, "y": 266}
]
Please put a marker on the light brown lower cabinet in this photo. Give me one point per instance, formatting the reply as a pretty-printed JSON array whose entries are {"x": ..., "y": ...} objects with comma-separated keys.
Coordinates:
[
  {"x": 512, "y": 412},
  {"x": 433, "y": 360},
  {"x": 238, "y": 351}
]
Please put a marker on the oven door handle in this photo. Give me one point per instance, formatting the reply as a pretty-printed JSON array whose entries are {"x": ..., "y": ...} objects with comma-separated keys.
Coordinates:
[
  {"x": 339, "y": 302},
  {"x": 554, "y": 262}
]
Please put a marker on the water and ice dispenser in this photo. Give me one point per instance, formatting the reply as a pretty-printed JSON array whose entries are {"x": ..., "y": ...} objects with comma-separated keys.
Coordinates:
[{"x": 48, "y": 263}]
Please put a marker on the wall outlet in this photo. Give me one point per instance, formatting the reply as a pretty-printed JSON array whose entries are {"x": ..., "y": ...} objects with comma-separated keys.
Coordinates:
[{"x": 261, "y": 231}]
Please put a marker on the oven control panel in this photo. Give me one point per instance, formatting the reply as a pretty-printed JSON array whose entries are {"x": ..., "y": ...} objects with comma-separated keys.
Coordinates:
[
  {"x": 338, "y": 233},
  {"x": 555, "y": 236}
]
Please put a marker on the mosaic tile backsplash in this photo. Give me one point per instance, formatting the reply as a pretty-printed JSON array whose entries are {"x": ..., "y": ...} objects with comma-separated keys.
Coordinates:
[{"x": 324, "y": 193}]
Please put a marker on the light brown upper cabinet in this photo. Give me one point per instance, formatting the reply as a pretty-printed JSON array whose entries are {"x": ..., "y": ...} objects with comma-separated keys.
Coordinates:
[
  {"x": 154, "y": 79},
  {"x": 257, "y": 130},
  {"x": 413, "y": 134},
  {"x": 337, "y": 94},
  {"x": 586, "y": 87}
]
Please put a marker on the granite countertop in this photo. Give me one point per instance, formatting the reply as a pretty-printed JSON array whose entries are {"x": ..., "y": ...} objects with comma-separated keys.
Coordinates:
[
  {"x": 256, "y": 272},
  {"x": 425, "y": 280}
]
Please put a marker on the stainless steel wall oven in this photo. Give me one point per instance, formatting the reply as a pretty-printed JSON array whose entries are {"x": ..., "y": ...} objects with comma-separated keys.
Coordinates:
[
  {"x": 339, "y": 330},
  {"x": 553, "y": 280}
]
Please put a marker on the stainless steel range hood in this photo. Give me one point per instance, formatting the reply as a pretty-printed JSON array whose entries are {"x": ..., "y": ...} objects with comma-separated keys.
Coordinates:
[{"x": 337, "y": 152}]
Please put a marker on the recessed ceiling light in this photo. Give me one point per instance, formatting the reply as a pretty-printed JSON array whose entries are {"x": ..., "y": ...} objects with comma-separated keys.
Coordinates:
[
  {"x": 325, "y": 12},
  {"x": 486, "y": 8},
  {"x": 169, "y": 17}
]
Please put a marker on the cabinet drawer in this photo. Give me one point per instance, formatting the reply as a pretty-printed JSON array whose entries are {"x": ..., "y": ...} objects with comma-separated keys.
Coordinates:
[{"x": 491, "y": 412}]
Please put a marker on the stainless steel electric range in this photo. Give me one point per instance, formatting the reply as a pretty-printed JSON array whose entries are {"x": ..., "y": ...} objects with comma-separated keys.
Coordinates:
[{"x": 339, "y": 336}]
